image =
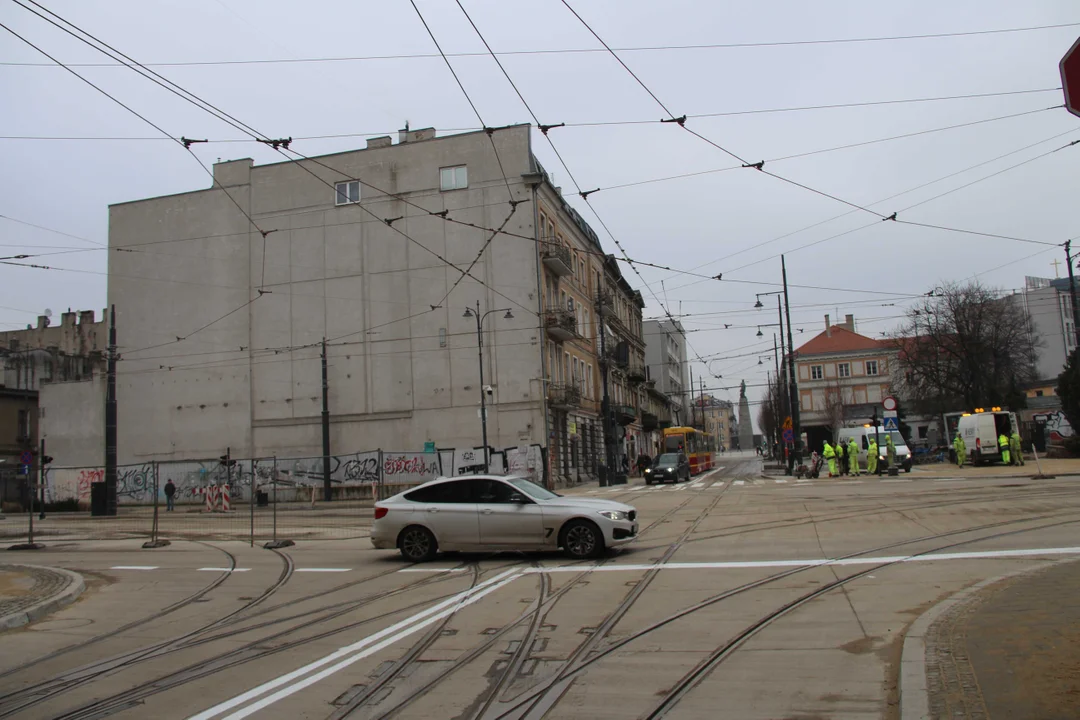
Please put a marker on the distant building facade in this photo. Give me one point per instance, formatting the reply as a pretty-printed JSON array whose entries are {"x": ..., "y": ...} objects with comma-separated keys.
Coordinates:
[
  {"x": 666, "y": 364},
  {"x": 1049, "y": 304}
]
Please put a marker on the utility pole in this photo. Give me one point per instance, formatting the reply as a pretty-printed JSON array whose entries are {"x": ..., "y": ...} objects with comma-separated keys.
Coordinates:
[
  {"x": 43, "y": 460},
  {"x": 110, "y": 418},
  {"x": 793, "y": 385},
  {"x": 690, "y": 395},
  {"x": 605, "y": 405},
  {"x": 778, "y": 397},
  {"x": 325, "y": 428},
  {"x": 1072, "y": 291},
  {"x": 782, "y": 360}
]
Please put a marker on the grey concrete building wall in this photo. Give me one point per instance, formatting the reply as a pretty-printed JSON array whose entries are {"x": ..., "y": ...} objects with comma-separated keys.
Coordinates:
[
  {"x": 400, "y": 372},
  {"x": 73, "y": 421},
  {"x": 665, "y": 356},
  {"x": 1049, "y": 308}
]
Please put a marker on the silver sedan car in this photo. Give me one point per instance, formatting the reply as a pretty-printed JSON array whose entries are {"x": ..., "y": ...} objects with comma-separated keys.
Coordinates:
[{"x": 483, "y": 513}]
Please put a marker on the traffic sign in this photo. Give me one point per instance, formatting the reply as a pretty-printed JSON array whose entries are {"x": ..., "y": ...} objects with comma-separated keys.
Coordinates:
[
  {"x": 787, "y": 423},
  {"x": 789, "y": 435},
  {"x": 27, "y": 457},
  {"x": 890, "y": 423},
  {"x": 1070, "y": 78},
  {"x": 890, "y": 403}
]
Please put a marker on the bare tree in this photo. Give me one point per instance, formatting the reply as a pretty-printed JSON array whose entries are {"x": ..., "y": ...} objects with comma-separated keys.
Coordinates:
[
  {"x": 834, "y": 405},
  {"x": 966, "y": 346}
]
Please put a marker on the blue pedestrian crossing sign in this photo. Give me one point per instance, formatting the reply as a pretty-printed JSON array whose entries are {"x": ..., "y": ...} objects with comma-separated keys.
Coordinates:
[{"x": 890, "y": 423}]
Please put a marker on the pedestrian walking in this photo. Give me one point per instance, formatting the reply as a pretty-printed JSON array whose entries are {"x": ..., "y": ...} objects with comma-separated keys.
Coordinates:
[
  {"x": 830, "y": 456},
  {"x": 170, "y": 496},
  {"x": 1003, "y": 445},
  {"x": 890, "y": 451},
  {"x": 961, "y": 450},
  {"x": 871, "y": 457},
  {"x": 1015, "y": 450},
  {"x": 853, "y": 456}
]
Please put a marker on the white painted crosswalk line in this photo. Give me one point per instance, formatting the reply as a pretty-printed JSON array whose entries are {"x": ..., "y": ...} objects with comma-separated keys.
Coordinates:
[
  {"x": 781, "y": 481},
  {"x": 739, "y": 482}
]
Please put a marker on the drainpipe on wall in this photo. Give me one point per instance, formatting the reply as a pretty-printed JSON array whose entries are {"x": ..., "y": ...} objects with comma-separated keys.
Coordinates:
[{"x": 546, "y": 439}]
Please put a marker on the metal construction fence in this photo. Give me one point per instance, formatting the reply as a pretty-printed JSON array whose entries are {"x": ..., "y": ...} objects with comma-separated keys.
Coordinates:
[{"x": 253, "y": 500}]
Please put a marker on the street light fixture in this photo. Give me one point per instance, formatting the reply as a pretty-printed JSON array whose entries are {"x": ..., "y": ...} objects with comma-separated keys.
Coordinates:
[
  {"x": 469, "y": 312},
  {"x": 759, "y": 333}
]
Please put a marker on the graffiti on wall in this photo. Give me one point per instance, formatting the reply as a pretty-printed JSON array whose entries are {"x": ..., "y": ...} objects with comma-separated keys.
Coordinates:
[
  {"x": 295, "y": 476},
  {"x": 1058, "y": 427},
  {"x": 410, "y": 468}
]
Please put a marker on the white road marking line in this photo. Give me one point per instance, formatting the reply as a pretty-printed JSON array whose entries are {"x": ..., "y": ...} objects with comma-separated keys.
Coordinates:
[
  {"x": 323, "y": 570},
  {"x": 367, "y": 646},
  {"x": 802, "y": 480},
  {"x": 134, "y": 567},
  {"x": 780, "y": 481},
  {"x": 455, "y": 569},
  {"x": 223, "y": 569},
  {"x": 896, "y": 481},
  {"x": 733, "y": 565},
  {"x": 739, "y": 482}
]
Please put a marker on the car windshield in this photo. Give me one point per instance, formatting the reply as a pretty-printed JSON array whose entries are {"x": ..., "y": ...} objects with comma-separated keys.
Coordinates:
[
  {"x": 532, "y": 489},
  {"x": 667, "y": 460}
]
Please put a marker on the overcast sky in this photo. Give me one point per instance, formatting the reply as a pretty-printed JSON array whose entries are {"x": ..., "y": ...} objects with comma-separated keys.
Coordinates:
[{"x": 728, "y": 222}]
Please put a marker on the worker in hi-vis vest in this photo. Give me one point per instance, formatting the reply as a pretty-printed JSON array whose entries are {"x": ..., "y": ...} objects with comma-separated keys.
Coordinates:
[
  {"x": 872, "y": 457},
  {"x": 853, "y": 456},
  {"x": 961, "y": 450},
  {"x": 830, "y": 456},
  {"x": 1003, "y": 444}
]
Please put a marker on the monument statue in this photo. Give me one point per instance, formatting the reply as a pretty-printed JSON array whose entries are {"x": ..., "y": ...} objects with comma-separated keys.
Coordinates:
[{"x": 746, "y": 428}]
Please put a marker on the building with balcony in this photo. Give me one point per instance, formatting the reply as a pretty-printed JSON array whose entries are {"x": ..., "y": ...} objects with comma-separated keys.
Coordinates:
[
  {"x": 366, "y": 248},
  {"x": 624, "y": 357}
]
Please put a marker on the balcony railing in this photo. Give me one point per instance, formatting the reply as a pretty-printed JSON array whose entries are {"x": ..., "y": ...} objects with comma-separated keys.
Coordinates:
[
  {"x": 625, "y": 414},
  {"x": 649, "y": 422},
  {"x": 635, "y": 372},
  {"x": 561, "y": 325},
  {"x": 564, "y": 397},
  {"x": 557, "y": 259}
]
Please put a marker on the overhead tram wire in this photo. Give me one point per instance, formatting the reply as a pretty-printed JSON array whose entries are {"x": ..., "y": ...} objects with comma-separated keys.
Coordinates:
[
  {"x": 545, "y": 131},
  {"x": 611, "y": 123},
  {"x": 681, "y": 122},
  {"x": 225, "y": 117},
  {"x": 891, "y": 197},
  {"x": 489, "y": 131},
  {"x": 570, "y": 51}
]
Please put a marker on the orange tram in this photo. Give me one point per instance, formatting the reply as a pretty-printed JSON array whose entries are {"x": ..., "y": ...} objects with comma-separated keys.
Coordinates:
[{"x": 698, "y": 447}]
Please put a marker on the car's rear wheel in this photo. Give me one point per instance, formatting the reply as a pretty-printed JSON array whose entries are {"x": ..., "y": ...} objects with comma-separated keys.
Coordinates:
[
  {"x": 417, "y": 544},
  {"x": 581, "y": 540}
]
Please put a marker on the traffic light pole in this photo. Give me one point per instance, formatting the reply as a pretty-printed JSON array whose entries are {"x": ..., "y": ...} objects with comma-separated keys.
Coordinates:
[
  {"x": 42, "y": 462},
  {"x": 793, "y": 383}
]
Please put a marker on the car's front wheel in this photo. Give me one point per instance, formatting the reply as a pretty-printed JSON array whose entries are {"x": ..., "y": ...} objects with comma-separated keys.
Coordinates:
[
  {"x": 582, "y": 539},
  {"x": 417, "y": 544}
]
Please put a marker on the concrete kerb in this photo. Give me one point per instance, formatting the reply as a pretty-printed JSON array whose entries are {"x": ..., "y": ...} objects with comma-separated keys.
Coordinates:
[
  {"x": 914, "y": 697},
  {"x": 39, "y": 610}
]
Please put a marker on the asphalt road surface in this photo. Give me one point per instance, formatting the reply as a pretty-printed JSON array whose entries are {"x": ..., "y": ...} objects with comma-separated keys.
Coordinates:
[{"x": 742, "y": 597}]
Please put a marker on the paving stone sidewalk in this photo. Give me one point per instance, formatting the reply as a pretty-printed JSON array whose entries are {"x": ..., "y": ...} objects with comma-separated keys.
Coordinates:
[
  {"x": 28, "y": 592},
  {"x": 1009, "y": 651}
]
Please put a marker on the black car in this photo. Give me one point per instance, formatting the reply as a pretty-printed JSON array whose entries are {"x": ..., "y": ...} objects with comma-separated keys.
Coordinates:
[{"x": 669, "y": 467}]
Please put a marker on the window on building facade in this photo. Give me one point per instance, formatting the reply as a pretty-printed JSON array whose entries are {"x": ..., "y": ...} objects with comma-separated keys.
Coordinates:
[
  {"x": 442, "y": 337},
  {"x": 589, "y": 380},
  {"x": 817, "y": 372},
  {"x": 24, "y": 423},
  {"x": 586, "y": 331},
  {"x": 347, "y": 192},
  {"x": 454, "y": 178},
  {"x": 871, "y": 367},
  {"x": 843, "y": 369}
]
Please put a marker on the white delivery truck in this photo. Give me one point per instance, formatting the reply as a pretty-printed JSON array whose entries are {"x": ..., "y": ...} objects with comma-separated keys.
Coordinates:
[
  {"x": 863, "y": 435},
  {"x": 981, "y": 431}
]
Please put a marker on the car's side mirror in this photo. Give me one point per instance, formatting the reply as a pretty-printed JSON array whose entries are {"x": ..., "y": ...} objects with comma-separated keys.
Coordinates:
[{"x": 518, "y": 499}]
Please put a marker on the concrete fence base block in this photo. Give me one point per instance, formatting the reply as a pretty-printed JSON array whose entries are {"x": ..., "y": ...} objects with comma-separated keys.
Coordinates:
[{"x": 27, "y": 546}]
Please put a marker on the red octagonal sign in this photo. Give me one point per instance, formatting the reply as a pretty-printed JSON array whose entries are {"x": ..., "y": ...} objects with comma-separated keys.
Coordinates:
[{"x": 1070, "y": 78}]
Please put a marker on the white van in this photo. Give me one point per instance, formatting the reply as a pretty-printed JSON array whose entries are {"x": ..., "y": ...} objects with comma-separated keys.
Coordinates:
[
  {"x": 981, "y": 431},
  {"x": 863, "y": 435}
]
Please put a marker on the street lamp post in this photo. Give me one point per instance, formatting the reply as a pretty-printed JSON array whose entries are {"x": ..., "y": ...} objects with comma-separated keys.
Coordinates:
[{"x": 469, "y": 312}]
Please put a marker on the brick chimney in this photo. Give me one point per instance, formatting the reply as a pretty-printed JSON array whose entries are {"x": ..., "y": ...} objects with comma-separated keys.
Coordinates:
[{"x": 828, "y": 327}]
